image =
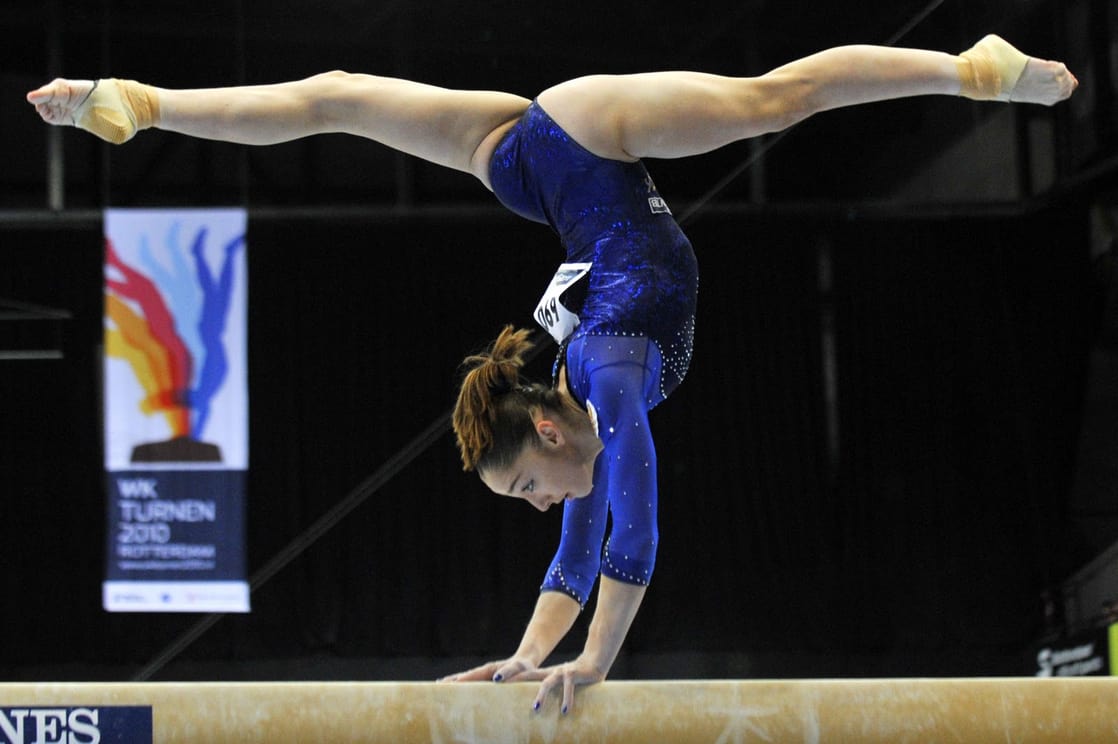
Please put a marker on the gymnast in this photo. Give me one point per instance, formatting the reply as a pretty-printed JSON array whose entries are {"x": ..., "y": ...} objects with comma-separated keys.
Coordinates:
[{"x": 572, "y": 159}]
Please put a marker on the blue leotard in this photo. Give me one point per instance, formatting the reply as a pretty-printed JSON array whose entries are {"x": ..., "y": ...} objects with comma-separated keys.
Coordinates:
[{"x": 633, "y": 342}]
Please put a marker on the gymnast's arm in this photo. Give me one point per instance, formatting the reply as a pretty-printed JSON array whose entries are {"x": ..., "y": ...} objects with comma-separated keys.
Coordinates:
[
  {"x": 620, "y": 389},
  {"x": 618, "y": 603},
  {"x": 565, "y": 589}
]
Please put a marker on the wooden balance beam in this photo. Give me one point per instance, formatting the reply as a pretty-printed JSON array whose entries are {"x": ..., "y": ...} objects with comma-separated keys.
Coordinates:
[{"x": 913, "y": 710}]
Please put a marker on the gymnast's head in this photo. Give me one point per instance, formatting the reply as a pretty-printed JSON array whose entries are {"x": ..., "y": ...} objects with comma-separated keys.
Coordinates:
[{"x": 525, "y": 440}]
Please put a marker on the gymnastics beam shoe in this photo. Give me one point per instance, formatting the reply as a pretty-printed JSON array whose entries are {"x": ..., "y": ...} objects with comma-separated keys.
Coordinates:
[
  {"x": 116, "y": 109},
  {"x": 990, "y": 69}
]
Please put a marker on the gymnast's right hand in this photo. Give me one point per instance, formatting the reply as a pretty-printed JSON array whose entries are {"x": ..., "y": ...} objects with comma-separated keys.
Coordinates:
[
  {"x": 508, "y": 670},
  {"x": 114, "y": 110}
]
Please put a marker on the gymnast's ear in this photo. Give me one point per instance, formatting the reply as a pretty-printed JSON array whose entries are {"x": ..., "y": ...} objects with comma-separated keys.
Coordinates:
[{"x": 549, "y": 431}]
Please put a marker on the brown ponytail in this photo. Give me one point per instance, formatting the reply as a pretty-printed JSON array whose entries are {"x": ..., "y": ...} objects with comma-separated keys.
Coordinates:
[{"x": 493, "y": 416}]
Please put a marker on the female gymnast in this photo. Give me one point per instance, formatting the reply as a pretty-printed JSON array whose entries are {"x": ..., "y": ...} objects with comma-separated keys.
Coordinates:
[{"x": 571, "y": 159}]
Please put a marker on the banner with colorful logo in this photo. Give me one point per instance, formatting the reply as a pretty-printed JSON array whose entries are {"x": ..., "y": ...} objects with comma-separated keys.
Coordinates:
[{"x": 176, "y": 410}]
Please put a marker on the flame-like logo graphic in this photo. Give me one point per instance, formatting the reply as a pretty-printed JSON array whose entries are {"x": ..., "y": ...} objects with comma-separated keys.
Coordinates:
[{"x": 167, "y": 320}]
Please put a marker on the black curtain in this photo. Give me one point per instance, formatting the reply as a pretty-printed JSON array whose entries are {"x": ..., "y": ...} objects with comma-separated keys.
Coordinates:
[{"x": 959, "y": 348}]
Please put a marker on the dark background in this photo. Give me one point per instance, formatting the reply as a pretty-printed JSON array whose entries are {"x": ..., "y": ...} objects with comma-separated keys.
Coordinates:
[{"x": 940, "y": 252}]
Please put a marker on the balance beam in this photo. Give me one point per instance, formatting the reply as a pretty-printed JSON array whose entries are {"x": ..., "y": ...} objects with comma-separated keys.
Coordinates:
[{"x": 918, "y": 710}]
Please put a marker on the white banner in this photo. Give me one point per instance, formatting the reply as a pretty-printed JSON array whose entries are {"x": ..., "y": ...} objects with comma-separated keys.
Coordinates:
[{"x": 176, "y": 410}]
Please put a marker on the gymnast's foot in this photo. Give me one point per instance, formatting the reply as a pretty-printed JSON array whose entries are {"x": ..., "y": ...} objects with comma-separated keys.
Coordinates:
[
  {"x": 114, "y": 110},
  {"x": 993, "y": 70}
]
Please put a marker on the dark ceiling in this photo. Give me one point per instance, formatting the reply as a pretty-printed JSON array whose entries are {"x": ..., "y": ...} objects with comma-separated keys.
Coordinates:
[{"x": 515, "y": 46}]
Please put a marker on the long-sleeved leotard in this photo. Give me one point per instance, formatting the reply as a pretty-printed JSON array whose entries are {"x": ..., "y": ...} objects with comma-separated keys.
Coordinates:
[{"x": 632, "y": 345}]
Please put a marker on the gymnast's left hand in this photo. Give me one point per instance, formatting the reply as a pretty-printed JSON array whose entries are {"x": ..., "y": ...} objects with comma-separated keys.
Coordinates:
[
  {"x": 512, "y": 669},
  {"x": 565, "y": 677}
]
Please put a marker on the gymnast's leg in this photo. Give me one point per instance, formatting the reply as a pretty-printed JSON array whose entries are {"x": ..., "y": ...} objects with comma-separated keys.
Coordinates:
[
  {"x": 436, "y": 124},
  {"x": 675, "y": 114}
]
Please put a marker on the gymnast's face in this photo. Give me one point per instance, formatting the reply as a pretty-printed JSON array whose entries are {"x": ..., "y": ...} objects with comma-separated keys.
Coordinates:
[{"x": 557, "y": 470}]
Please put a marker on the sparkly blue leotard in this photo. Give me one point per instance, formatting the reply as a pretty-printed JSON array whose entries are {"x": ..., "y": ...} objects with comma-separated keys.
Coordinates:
[{"x": 633, "y": 342}]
